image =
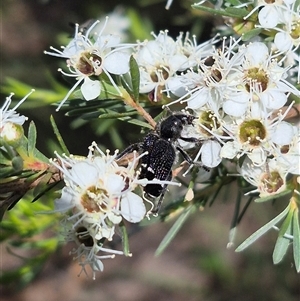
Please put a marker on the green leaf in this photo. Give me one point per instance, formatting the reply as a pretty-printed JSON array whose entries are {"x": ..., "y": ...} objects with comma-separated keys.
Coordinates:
[
  {"x": 237, "y": 12},
  {"x": 209, "y": 9},
  {"x": 31, "y": 139},
  {"x": 135, "y": 78},
  {"x": 286, "y": 224},
  {"x": 138, "y": 123},
  {"x": 260, "y": 232},
  {"x": 39, "y": 98},
  {"x": 80, "y": 108},
  {"x": 228, "y": 12},
  {"x": 114, "y": 115},
  {"x": 125, "y": 241},
  {"x": 251, "y": 34},
  {"x": 272, "y": 197},
  {"x": 175, "y": 228},
  {"x": 296, "y": 243},
  {"x": 58, "y": 136},
  {"x": 282, "y": 242},
  {"x": 17, "y": 163}
]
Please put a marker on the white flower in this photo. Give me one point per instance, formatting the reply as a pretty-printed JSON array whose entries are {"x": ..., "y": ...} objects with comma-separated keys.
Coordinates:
[
  {"x": 269, "y": 15},
  {"x": 99, "y": 191},
  {"x": 158, "y": 60},
  {"x": 257, "y": 138},
  {"x": 269, "y": 179},
  {"x": 263, "y": 83},
  {"x": 270, "y": 12},
  {"x": 89, "y": 250},
  {"x": 287, "y": 39},
  {"x": 194, "y": 53},
  {"x": 213, "y": 84},
  {"x": 91, "y": 55},
  {"x": 288, "y": 155},
  {"x": 10, "y": 115}
]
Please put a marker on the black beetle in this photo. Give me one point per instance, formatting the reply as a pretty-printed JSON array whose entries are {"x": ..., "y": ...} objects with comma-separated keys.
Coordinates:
[{"x": 161, "y": 145}]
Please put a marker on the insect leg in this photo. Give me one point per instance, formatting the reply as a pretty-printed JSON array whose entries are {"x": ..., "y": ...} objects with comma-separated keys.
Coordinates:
[
  {"x": 190, "y": 139},
  {"x": 129, "y": 149},
  {"x": 156, "y": 209},
  {"x": 188, "y": 159}
]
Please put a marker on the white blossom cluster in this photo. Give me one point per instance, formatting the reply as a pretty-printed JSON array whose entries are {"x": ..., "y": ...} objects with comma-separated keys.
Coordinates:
[
  {"x": 283, "y": 18},
  {"x": 97, "y": 196},
  {"x": 239, "y": 101},
  {"x": 237, "y": 92}
]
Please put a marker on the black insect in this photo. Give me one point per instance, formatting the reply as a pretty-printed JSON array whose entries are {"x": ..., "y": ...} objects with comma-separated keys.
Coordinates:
[{"x": 161, "y": 146}]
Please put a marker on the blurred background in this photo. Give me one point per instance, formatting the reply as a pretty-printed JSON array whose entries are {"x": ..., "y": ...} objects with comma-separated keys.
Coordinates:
[{"x": 197, "y": 265}]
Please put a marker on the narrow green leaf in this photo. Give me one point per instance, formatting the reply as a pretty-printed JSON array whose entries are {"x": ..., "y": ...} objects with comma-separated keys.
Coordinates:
[
  {"x": 296, "y": 243},
  {"x": 125, "y": 241},
  {"x": 251, "y": 34},
  {"x": 114, "y": 115},
  {"x": 31, "y": 139},
  {"x": 282, "y": 243},
  {"x": 286, "y": 224},
  {"x": 220, "y": 12},
  {"x": 135, "y": 78},
  {"x": 228, "y": 12},
  {"x": 139, "y": 123},
  {"x": 58, "y": 136},
  {"x": 44, "y": 179},
  {"x": 174, "y": 229},
  {"x": 272, "y": 197},
  {"x": 260, "y": 232},
  {"x": 237, "y": 12}
]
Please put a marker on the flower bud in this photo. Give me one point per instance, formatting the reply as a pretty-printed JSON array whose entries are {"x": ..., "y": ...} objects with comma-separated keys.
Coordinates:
[{"x": 12, "y": 133}]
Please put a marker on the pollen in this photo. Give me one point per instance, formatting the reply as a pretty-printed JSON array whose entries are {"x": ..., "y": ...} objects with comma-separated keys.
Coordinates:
[
  {"x": 295, "y": 30},
  {"x": 256, "y": 77},
  {"x": 94, "y": 200},
  {"x": 88, "y": 63},
  {"x": 271, "y": 182},
  {"x": 209, "y": 121},
  {"x": 252, "y": 132},
  {"x": 160, "y": 74}
]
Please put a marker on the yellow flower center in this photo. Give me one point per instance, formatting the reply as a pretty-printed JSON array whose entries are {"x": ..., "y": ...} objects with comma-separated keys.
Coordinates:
[
  {"x": 88, "y": 63},
  {"x": 257, "y": 77},
  {"x": 295, "y": 30},
  {"x": 94, "y": 200},
  {"x": 271, "y": 182},
  {"x": 209, "y": 121},
  {"x": 252, "y": 132}
]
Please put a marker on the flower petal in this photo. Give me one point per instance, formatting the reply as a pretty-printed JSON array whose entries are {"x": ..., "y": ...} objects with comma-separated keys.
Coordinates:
[
  {"x": 210, "y": 153},
  {"x": 90, "y": 89},
  {"x": 117, "y": 62},
  {"x": 283, "y": 134},
  {"x": 132, "y": 207}
]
